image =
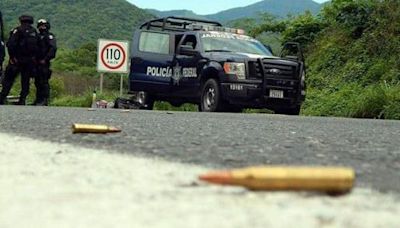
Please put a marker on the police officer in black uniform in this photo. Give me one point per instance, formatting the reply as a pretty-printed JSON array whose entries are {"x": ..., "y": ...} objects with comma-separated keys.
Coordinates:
[
  {"x": 2, "y": 47},
  {"x": 2, "y": 55},
  {"x": 22, "y": 49},
  {"x": 47, "y": 52}
]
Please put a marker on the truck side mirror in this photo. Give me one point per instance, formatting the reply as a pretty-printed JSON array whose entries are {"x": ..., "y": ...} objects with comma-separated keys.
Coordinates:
[{"x": 187, "y": 50}]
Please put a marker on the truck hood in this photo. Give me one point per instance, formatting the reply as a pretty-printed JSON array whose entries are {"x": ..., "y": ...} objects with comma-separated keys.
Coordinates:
[
  {"x": 235, "y": 56},
  {"x": 243, "y": 57}
]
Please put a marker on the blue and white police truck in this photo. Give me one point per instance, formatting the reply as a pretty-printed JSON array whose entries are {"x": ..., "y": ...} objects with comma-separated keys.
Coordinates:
[{"x": 183, "y": 60}]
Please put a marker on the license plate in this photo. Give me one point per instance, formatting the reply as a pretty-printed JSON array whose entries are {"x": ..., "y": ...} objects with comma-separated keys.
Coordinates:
[{"x": 276, "y": 93}]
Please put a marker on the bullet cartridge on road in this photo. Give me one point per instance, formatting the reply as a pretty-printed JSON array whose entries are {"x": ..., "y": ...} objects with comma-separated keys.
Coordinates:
[
  {"x": 94, "y": 129},
  {"x": 323, "y": 179}
]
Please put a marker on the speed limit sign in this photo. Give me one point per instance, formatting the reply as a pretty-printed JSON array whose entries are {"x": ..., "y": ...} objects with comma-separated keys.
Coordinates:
[{"x": 113, "y": 56}]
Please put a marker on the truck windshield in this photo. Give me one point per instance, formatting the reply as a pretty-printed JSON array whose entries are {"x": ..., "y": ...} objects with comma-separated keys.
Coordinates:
[{"x": 229, "y": 42}]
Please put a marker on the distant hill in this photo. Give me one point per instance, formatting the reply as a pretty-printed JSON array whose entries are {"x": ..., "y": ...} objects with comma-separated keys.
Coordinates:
[
  {"x": 78, "y": 22},
  {"x": 278, "y": 8},
  {"x": 176, "y": 13}
]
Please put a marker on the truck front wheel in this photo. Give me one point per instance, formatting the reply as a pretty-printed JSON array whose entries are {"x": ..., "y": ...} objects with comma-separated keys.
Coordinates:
[{"x": 211, "y": 100}]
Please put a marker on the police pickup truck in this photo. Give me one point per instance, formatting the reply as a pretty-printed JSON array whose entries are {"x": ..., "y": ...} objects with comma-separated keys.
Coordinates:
[{"x": 182, "y": 60}]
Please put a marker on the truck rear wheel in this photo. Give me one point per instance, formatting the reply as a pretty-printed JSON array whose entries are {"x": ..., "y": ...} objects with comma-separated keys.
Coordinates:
[
  {"x": 148, "y": 103},
  {"x": 211, "y": 100},
  {"x": 145, "y": 100}
]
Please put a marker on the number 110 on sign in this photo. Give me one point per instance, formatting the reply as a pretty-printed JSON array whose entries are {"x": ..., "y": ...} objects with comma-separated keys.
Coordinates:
[{"x": 113, "y": 55}]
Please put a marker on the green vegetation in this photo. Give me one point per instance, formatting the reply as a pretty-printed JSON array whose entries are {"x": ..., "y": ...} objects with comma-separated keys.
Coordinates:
[
  {"x": 353, "y": 57},
  {"x": 83, "y": 100},
  {"x": 79, "y": 22},
  {"x": 182, "y": 108},
  {"x": 266, "y": 29}
]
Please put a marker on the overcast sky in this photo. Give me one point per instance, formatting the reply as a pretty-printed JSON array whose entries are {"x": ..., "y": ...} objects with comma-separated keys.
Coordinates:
[{"x": 198, "y": 6}]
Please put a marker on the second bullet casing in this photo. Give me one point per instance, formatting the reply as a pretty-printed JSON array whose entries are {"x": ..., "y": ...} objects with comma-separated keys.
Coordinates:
[{"x": 94, "y": 129}]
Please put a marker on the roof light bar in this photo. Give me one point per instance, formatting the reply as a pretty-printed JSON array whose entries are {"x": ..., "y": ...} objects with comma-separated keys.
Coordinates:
[
  {"x": 224, "y": 29},
  {"x": 181, "y": 24}
]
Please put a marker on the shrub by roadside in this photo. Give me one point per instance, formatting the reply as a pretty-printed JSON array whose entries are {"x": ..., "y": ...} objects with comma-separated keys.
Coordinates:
[{"x": 377, "y": 101}]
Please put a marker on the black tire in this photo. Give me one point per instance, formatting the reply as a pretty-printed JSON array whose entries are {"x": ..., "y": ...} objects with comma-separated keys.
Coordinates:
[
  {"x": 294, "y": 111},
  {"x": 118, "y": 103},
  {"x": 122, "y": 103},
  {"x": 211, "y": 99}
]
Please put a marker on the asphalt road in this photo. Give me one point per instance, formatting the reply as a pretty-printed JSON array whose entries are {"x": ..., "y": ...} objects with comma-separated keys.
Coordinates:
[{"x": 221, "y": 140}]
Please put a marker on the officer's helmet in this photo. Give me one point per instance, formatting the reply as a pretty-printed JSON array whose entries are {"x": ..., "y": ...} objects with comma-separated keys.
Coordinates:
[
  {"x": 44, "y": 22},
  {"x": 26, "y": 19}
]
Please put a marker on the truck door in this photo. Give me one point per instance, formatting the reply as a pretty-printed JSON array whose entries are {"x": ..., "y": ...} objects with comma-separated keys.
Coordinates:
[
  {"x": 151, "y": 62},
  {"x": 186, "y": 73},
  {"x": 292, "y": 50}
]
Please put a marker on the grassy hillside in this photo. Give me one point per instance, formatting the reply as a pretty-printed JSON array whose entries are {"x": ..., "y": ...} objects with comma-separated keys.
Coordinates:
[
  {"x": 78, "y": 22},
  {"x": 353, "y": 57}
]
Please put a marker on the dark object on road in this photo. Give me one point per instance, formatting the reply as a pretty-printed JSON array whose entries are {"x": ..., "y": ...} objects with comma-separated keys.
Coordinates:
[
  {"x": 94, "y": 129},
  {"x": 183, "y": 60},
  {"x": 122, "y": 103},
  {"x": 332, "y": 180}
]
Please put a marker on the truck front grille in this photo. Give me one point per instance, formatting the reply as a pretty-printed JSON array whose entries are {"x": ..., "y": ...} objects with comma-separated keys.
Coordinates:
[
  {"x": 276, "y": 69},
  {"x": 272, "y": 69}
]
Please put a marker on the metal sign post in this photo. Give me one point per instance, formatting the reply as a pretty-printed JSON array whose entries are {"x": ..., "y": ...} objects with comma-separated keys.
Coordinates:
[
  {"x": 121, "y": 86},
  {"x": 101, "y": 82}
]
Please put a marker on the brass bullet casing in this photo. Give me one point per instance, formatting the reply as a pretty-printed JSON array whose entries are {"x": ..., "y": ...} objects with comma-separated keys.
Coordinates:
[
  {"x": 94, "y": 129},
  {"x": 324, "y": 179}
]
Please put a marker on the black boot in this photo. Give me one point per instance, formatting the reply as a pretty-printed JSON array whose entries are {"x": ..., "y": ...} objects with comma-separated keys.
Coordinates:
[
  {"x": 43, "y": 102},
  {"x": 2, "y": 100},
  {"x": 21, "y": 102}
]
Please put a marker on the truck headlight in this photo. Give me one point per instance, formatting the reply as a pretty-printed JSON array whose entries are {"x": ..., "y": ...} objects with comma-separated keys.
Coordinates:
[{"x": 238, "y": 69}]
